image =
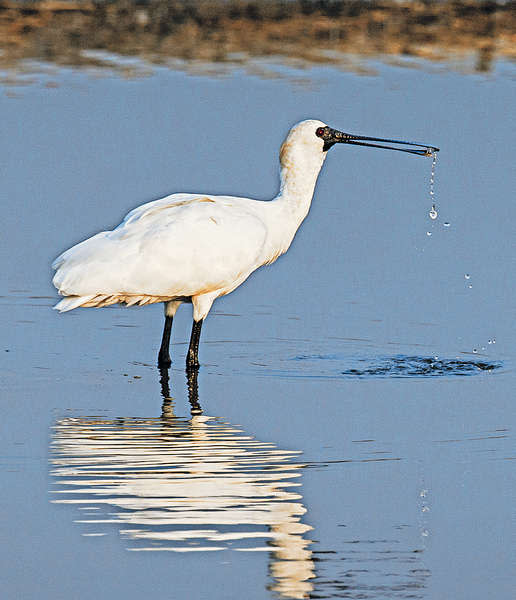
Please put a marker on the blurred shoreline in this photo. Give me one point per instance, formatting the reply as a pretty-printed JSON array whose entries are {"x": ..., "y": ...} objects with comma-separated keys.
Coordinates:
[{"x": 232, "y": 33}]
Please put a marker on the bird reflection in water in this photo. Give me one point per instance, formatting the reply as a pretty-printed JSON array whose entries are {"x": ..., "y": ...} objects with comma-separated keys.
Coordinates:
[{"x": 182, "y": 485}]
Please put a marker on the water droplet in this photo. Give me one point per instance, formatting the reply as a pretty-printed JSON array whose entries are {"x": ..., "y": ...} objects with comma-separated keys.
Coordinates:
[
  {"x": 432, "y": 176},
  {"x": 429, "y": 233},
  {"x": 423, "y": 493},
  {"x": 494, "y": 341},
  {"x": 425, "y": 509},
  {"x": 470, "y": 286},
  {"x": 446, "y": 224},
  {"x": 490, "y": 341},
  {"x": 424, "y": 533},
  {"x": 433, "y": 211},
  {"x": 483, "y": 347},
  {"x": 467, "y": 276},
  {"x": 475, "y": 350}
]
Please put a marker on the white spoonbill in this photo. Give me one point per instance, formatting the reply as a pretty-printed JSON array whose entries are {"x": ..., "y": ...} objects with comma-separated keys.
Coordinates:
[{"x": 195, "y": 247}]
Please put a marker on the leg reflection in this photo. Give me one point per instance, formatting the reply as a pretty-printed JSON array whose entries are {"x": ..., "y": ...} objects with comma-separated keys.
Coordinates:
[
  {"x": 192, "y": 385},
  {"x": 164, "y": 382},
  {"x": 193, "y": 391}
]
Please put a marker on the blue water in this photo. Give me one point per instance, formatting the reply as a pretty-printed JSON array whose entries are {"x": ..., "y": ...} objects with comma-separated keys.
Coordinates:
[{"x": 352, "y": 434}]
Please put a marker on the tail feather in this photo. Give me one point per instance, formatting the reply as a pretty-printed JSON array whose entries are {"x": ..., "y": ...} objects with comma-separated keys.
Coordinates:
[
  {"x": 108, "y": 301},
  {"x": 131, "y": 301},
  {"x": 100, "y": 300},
  {"x": 71, "y": 302}
]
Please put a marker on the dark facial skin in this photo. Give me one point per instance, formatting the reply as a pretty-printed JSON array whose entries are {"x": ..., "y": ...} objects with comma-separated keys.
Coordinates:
[{"x": 330, "y": 136}]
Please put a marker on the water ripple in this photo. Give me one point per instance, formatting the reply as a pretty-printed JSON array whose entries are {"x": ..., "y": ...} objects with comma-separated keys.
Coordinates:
[
  {"x": 402, "y": 365},
  {"x": 185, "y": 485}
]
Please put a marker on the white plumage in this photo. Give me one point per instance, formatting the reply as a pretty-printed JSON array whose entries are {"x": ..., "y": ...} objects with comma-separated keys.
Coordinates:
[
  {"x": 182, "y": 246},
  {"x": 195, "y": 247},
  {"x": 192, "y": 247}
]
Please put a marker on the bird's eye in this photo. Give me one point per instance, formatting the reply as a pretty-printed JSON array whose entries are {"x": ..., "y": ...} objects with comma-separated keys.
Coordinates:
[{"x": 319, "y": 132}]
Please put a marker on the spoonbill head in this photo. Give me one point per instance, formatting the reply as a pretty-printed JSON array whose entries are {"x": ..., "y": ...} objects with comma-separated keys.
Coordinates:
[{"x": 196, "y": 247}]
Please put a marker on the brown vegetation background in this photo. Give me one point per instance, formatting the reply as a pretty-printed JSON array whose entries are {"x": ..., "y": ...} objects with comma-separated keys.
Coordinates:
[{"x": 236, "y": 32}]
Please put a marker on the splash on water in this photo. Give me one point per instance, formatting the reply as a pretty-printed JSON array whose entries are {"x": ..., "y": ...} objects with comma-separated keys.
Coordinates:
[
  {"x": 419, "y": 366},
  {"x": 398, "y": 366}
]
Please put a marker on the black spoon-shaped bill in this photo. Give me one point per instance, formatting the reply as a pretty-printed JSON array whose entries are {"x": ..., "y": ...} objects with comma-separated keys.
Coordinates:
[{"x": 333, "y": 136}]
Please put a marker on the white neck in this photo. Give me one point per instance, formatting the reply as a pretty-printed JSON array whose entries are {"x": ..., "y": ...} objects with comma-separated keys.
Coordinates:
[
  {"x": 298, "y": 176},
  {"x": 301, "y": 158}
]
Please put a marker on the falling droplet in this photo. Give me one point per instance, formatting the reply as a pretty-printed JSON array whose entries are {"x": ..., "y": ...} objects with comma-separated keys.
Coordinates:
[
  {"x": 433, "y": 211},
  {"x": 429, "y": 233},
  {"x": 467, "y": 276},
  {"x": 483, "y": 347},
  {"x": 470, "y": 286},
  {"x": 490, "y": 342},
  {"x": 432, "y": 177},
  {"x": 494, "y": 341},
  {"x": 446, "y": 224},
  {"x": 475, "y": 350}
]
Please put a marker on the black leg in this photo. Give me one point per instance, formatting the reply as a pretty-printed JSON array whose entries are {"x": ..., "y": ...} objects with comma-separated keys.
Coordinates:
[
  {"x": 192, "y": 358},
  {"x": 164, "y": 356}
]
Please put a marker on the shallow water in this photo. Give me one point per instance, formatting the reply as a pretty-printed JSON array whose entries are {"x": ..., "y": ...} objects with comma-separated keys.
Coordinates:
[{"x": 352, "y": 434}]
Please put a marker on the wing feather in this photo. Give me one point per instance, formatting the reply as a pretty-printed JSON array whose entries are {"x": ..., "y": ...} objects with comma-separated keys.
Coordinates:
[{"x": 181, "y": 245}]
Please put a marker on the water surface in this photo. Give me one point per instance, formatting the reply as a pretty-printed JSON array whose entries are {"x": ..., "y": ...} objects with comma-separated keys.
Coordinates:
[{"x": 353, "y": 431}]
